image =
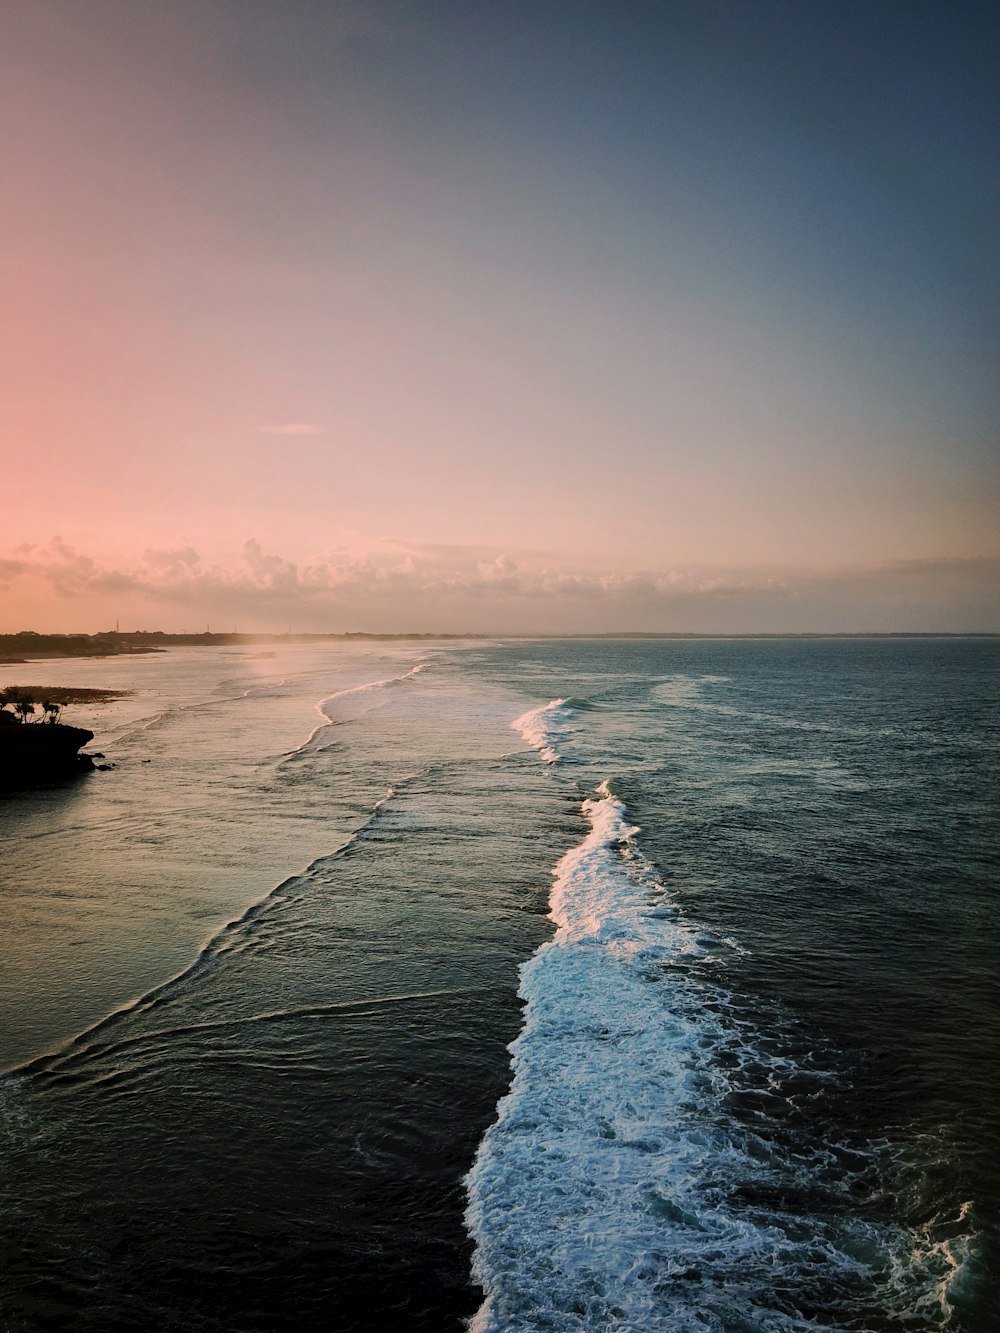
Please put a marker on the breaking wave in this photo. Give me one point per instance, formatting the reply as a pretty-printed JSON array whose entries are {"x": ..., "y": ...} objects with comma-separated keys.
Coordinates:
[
  {"x": 546, "y": 727},
  {"x": 656, "y": 1163}
]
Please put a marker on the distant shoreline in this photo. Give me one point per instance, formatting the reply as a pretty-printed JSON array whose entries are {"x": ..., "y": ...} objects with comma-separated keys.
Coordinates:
[{"x": 27, "y": 646}]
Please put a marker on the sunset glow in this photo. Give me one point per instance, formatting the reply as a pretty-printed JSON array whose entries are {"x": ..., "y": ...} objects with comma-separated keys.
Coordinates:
[{"x": 336, "y": 316}]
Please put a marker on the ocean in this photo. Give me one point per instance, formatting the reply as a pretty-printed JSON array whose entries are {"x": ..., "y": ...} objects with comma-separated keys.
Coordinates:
[{"x": 531, "y": 986}]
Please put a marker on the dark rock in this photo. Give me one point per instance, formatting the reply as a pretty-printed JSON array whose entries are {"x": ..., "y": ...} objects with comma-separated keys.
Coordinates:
[{"x": 38, "y": 752}]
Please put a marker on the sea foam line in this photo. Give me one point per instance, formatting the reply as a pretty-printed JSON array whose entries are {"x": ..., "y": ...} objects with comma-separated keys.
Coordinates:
[
  {"x": 560, "y": 1200},
  {"x": 323, "y": 707},
  {"x": 538, "y": 725},
  {"x": 616, "y": 1191}
]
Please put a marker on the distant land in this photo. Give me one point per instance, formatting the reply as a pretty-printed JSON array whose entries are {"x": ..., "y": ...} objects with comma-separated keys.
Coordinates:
[{"x": 29, "y": 646}]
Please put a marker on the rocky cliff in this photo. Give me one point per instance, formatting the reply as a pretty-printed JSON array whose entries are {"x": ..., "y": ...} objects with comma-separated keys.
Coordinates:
[{"x": 39, "y": 752}]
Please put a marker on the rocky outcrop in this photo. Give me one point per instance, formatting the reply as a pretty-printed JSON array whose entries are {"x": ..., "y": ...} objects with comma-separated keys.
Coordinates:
[{"x": 35, "y": 753}]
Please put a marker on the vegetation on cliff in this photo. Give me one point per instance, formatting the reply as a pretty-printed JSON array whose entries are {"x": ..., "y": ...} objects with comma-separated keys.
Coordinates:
[{"x": 35, "y": 747}]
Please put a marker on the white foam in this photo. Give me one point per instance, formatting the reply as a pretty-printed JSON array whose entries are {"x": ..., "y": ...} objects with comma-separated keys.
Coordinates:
[
  {"x": 609, "y": 1194},
  {"x": 539, "y": 727},
  {"x": 555, "y": 1180}
]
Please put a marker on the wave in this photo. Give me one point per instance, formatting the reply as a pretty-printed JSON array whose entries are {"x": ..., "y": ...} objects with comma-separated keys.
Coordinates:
[
  {"x": 268, "y": 689},
  {"x": 327, "y": 708},
  {"x": 79, "y": 1071},
  {"x": 332, "y": 710},
  {"x": 147, "y": 723},
  {"x": 231, "y": 937},
  {"x": 545, "y": 726},
  {"x": 654, "y": 1164}
]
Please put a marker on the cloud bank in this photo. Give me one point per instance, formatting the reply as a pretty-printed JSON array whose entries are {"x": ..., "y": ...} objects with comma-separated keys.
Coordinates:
[{"x": 409, "y": 586}]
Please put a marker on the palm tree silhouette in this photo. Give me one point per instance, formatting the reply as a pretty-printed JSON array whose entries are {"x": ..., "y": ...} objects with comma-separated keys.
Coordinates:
[{"x": 24, "y": 708}]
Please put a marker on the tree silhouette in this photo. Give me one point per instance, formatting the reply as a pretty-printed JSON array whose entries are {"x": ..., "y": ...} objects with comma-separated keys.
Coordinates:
[{"x": 24, "y": 708}]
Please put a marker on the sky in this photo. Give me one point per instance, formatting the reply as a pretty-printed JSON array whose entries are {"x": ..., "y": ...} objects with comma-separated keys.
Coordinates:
[{"x": 523, "y": 316}]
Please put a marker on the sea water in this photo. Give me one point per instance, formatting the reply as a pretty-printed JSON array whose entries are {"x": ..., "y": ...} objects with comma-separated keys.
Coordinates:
[{"x": 730, "y": 904}]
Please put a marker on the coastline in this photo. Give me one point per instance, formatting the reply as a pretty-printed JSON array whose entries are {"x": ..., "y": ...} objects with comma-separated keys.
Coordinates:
[{"x": 29, "y": 646}]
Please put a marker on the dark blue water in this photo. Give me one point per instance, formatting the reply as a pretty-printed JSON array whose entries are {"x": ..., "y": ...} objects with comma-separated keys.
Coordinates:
[
  {"x": 755, "y": 1081},
  {"x": 823, "y": 816}
]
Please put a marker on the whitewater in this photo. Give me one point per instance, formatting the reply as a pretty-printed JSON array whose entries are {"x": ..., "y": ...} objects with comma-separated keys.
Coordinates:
[{"x": 614, "y": 1191}]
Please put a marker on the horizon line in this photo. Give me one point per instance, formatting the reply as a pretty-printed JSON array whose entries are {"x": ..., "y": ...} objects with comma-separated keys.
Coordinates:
[{"x": 210, "y": 636}]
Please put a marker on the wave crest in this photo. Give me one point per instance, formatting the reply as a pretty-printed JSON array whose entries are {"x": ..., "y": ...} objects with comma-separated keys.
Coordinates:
[
  {"x": 655, "y": 1164},
  {"x": 543, "y": 727}
]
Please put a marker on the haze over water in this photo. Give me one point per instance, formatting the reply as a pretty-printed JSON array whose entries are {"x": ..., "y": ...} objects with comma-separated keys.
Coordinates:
[{"x": 259, "y": 978}]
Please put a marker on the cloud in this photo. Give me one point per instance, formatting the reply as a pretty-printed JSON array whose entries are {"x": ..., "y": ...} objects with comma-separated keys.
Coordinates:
[
  {"x": 270, "y": 572},
  {"x": 178, "y": 562},
  {"x": 12, "y": 569},
  {"x": 409, "y": 585},
  {"x": 292, "y": 428}
]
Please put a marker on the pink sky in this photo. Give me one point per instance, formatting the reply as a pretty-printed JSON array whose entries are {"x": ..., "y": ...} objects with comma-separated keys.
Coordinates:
[{"x": 303, "y": 327}]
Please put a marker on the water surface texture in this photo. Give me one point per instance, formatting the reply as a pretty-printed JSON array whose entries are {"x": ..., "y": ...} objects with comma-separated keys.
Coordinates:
[{"x": 733, "y": 903}]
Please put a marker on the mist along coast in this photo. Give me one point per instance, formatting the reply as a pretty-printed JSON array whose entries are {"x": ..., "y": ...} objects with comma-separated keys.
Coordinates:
[{"x": 729, "y": 902}]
